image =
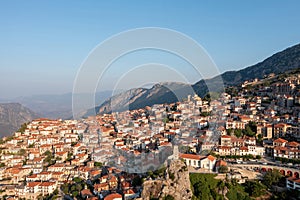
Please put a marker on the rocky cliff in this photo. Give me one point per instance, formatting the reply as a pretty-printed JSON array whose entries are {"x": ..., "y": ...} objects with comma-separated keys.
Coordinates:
[
  {"x": 176, "y": 184},
  {"x": 141, "y": 97},
  {"x": 12, "y": 116}
]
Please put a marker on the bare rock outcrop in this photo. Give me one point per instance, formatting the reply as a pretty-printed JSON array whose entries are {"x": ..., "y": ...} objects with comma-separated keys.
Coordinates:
[
  {"x": 176, "y": 183},
  {"x": 12, "y": 116}
]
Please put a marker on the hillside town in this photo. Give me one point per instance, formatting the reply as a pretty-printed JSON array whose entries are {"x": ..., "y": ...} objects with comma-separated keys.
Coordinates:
[{"x": 108, "y": 156}]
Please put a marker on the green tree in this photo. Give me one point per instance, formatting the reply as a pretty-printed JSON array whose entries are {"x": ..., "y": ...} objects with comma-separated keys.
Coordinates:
[
  {"x": 79, "y": 187},
  {"x": 73, "y": 188},
  {"x": 137, "y": 181},
  {"x": 150, "y": 174},
  {"x": 98, "y": 164},
  {"x": 185, "y": 149},
  {"x": 247, "y": 131},
  {"x": 70, "y": 156},
  {"x": 202, "y": 191},
  {"x": 49, "y": 157},
  {"x": 48, "y": 153},
  {"x": 253, "y": 126},
  {"x": 171, "y": 176},
  {"x": 235, "y": 193},
  {"x": 73, "y": 143},
  {"x": 168, "y": 197},
  {"x": 22, "y": 152},
  {"x": 55, "y": 192},
  {"x": 259, "y": 138},
  {"x": 233, "y": 91},
  {"x": 31, "y": 145},
  {"x": 254, "y": 188},
  {"x": 23, "y": 127},
  {"x": 160, "y": 172},
  {"x": 75, "y": 193},
  {"x": 214, "y": 95},
  {"x": 1, "y": 141},
  {"x": 207, "y": 97},
  {"x": 271, "y": 178},
  {"x": 258, "y": 157},
  {"x": 205, "y": 186},
  {"x": 238, "y": 133},
  {"x": 205, "y": 114},
  {"x": 77, "y": 180},
  {"x": 229, "y": 131},
  {"x": 65, "y": 188},
  {"x": 166, "y": 120},
  {"x": 58, "y": 158},
  {"x": 223, "y": 169}
]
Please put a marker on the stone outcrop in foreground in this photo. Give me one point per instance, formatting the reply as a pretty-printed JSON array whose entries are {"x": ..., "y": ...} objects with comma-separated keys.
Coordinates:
[{"x": 176, "y": 183}]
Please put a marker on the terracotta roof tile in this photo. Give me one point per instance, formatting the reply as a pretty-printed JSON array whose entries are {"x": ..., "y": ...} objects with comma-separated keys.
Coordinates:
[
  {"x": 113, "y": 196},
  {"x": 191, "y": 156}
]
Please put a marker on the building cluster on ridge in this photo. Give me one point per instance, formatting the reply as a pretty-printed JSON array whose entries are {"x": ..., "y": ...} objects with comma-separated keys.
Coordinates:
[{"x": 44, "y": 155}]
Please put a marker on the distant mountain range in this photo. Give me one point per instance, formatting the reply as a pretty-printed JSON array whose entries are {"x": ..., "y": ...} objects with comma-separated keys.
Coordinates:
[
  {"x": 12, "y": 116},
  {"x": 280, "y": 62},
  {"x": 54, "y": 106},
  {"x": 141, "y": 97}
]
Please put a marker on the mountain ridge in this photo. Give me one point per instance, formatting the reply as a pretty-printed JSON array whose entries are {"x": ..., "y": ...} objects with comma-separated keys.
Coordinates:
[
  {"x": 282, "y": 61},
  {"x": 167, "y": 92},
  {"x": 279, "y": 62},
  {"x": 12, "y": 116}
]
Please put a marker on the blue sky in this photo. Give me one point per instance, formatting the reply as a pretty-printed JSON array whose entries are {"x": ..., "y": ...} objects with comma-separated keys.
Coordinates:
[{"x": 43, "y": 43}]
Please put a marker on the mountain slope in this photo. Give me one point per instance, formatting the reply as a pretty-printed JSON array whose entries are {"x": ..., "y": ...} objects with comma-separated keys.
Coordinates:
[
  {"x": 141, "y": 97},
  {"x": 55, "y": 106},
  {"x": 280, "y": 62},
  {"x": 12, "y": 116}
]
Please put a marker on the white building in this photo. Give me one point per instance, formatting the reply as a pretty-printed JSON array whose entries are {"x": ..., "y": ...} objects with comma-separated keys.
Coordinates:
[
  {"x": 293, "y": 183},
  {"x": 197, "y": 161}
]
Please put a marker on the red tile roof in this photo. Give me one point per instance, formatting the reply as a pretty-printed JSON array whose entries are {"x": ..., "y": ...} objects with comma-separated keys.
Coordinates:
[
  {"x": 280, "y": 140},
  {"x": 293, "y": 144},
  {"x": 47, "y": 184},
  {"x": 221, "y": 163},
  {"x": 191, "y": 156},
  {"x": 33, "y": 184},
  {"x": 211, "y": 158},
  {"x": 244, "y": 148},
  {"x": 113, "y": 196},
  {"x": 225, "y": 136},
  {"x": 86, "y": 192}
]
